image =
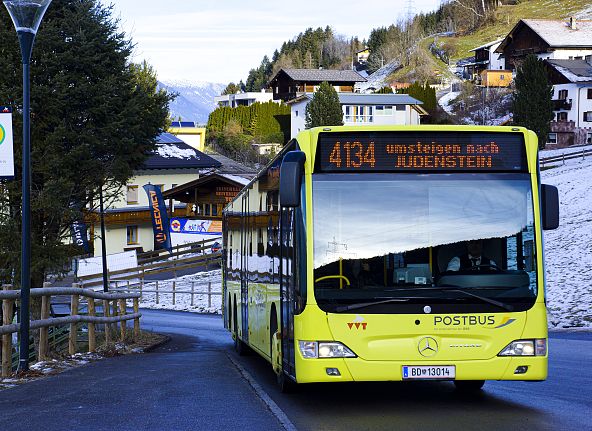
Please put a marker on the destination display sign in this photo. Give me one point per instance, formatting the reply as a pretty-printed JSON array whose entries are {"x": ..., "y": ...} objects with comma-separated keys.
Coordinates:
[{"x": 421, "y": 151}]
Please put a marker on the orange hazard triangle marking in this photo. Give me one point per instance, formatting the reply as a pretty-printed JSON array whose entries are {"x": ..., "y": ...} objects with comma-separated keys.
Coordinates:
[
  {"x": 364, "y": 326},
  {"x": 357, "y": 325},
  {"x": 350, "y": 325}
]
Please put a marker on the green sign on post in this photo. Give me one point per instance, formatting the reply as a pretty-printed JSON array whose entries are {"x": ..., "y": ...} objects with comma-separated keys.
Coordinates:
[{"x": 6, "y": 143}]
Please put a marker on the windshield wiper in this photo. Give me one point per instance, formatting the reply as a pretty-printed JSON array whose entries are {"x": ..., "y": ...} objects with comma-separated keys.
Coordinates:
[
  {"x": 368, "y": 304},
  {"x": 507, "y": 307}
]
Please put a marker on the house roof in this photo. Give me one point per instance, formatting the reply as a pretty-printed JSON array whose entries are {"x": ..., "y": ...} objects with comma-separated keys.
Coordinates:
[
  {"x": 321, "y": 75},
  {"x": 556, "y": 33},
  {"x": 377, "y": 99},
  {"x": 573, "y": 70},
  {"x": 232, "y": 167},
  {"x": 172, "y": 153},
  {"x": 186, "y": 192},
  {"x": 487, "y": 45},
  {"x": 366, "y": 99}
]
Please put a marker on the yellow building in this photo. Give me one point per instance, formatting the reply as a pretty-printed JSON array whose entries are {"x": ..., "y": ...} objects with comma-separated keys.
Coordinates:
[
  {"x": 496, "y": 78},
  {"x": 127, "y": 219},
  {"x": 190, "y": 133}
]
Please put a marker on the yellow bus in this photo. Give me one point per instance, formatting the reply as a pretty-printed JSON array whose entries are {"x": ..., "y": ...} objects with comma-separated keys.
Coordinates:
[{"x": 393, "y": 253}]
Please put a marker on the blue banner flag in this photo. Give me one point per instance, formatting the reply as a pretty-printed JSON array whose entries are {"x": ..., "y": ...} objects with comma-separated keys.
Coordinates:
[
  {"x": 160, "y": 218},
  {"x": 79, "y": 237}
]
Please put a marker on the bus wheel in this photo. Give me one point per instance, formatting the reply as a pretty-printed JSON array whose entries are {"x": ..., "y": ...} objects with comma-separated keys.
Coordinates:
[
  {"x": 285, "y": 384},
  {"x": 240, "y": 347},
  {"x": 469, "y": 386}
]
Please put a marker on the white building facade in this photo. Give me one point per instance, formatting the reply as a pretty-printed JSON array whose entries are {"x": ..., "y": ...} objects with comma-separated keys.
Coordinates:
[
  {"x": 363, "y": 109},
  {"x": 243, "y": 99},
  {"x": 572, "y": 102}
]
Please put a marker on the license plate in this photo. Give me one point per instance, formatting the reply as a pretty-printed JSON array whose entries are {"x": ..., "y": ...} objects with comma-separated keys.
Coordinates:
[{"x": 424, "y": 372}]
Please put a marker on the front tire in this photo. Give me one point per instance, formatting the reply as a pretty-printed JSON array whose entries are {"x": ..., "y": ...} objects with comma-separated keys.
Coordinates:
[{"x": 285, "y": 384}]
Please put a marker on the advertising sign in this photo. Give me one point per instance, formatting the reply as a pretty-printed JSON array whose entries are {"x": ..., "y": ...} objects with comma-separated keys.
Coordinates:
[
  {"x": 6, "y": 143},
  {"x": 203, "y": 227},
  {"x": 79, "y": 235},
  {"x": 160, "y": 218}
]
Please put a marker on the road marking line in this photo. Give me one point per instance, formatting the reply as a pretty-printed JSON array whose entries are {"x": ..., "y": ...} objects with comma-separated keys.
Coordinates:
[{"x": 275, "y": 409}]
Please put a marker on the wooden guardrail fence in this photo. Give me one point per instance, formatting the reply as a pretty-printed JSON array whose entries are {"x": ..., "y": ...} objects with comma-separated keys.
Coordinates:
[
  {"x": 158, "y": 262},
  {"x": 563, "y": 157},
  {"x": 114, "y": 311}
]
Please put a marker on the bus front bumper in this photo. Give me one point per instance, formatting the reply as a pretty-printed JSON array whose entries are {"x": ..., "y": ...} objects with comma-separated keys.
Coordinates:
[{"x": 360, "y": 370}]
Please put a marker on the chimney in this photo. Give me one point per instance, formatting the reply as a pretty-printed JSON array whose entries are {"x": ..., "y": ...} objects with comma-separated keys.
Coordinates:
[{"x": 573, "y": 24}]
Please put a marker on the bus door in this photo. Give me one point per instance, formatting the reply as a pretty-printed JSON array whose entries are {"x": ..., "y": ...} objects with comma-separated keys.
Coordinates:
[
  {"x": 244, "y": 267},
  {"x": 287, "y": 288}
]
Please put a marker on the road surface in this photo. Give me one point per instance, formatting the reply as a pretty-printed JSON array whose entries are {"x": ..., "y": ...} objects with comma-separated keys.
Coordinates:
[{"x": 192, "y": 383}]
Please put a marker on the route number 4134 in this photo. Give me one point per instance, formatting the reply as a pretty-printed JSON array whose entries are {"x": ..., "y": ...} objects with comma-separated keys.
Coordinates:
[{"x": 352, "y": 155}]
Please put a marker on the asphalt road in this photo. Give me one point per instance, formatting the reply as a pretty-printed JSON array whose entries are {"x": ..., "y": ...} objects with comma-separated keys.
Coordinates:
[{"x": 191, "y": 383}]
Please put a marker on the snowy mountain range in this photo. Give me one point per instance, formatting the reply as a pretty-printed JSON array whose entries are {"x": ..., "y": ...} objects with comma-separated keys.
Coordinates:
[{"x": 195, "y": 100}]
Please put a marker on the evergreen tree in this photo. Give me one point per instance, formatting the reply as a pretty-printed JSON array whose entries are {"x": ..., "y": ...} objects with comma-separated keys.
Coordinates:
[
  {"x": 531, "y": 104},
  {"x": 95, "y": 117},
  {"x": 231, "y": 88},
  {"x": 324, "y": 109}
]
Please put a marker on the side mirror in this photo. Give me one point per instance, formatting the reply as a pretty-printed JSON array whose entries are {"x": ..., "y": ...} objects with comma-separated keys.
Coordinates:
[
  {"x": 291, "y": 178},
  {"x": 550, "y": 206}
]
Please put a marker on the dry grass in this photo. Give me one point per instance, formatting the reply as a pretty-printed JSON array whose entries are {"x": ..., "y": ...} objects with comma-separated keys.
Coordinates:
[{"x": 508, "y": 16}]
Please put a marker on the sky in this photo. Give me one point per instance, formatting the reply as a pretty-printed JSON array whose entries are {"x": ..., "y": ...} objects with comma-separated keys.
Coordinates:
[{"x": 221, "y": 40}]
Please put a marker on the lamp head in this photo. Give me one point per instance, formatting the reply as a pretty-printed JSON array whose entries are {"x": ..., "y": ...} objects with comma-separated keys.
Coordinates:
[{"x": 26, "y": 14}]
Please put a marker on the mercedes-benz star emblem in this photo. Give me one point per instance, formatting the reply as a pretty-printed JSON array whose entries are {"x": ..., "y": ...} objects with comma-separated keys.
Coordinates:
[{"x": 427, "y": 346}]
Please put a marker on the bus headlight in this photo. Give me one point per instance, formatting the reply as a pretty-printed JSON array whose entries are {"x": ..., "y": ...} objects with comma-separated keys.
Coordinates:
[
  {"x": 536, "y": 347},
  {"x": 324, "y": 349}
]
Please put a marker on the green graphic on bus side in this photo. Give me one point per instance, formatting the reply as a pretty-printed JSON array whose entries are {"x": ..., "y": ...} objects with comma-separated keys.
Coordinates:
[{"x": 2, "y": 134}]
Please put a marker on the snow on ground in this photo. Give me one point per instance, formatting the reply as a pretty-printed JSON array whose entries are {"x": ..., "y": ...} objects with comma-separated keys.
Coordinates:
[
  {"x": 568, "y": 249},
  {"x": 445, "y": 100},
  {"x": 201, "y": 301}
]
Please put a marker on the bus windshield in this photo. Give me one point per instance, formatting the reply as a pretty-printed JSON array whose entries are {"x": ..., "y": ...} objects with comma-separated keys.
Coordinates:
[{"x": 394, "y": 243}]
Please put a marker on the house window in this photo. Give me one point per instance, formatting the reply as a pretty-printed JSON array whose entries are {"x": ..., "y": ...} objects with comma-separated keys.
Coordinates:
[
  {"x": 588, "y": 138},
  {"x": 207, "y": 209},
  {"x": 132, "y": 235},
  {"x": 383, "y": 110},
  {"x": 589, "y": 93},
  {"x": 132, "y": 195},
  {"x": 502, "y": 77},
  {"x": 400, "y": 107},
  {"x": 588, "y": 116},
  {"x": 296, "y": 113},
  {"x": 214, "y": 209},
  {"x": 562, "y": 116},
  {"x": 552, "y": 138},
  {"x": 359, "y": 114},
  {"x": 562, "y": 95}
]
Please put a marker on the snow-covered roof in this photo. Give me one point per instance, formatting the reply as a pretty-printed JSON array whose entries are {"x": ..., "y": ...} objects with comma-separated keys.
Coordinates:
[
  {"x": 487, "y": 45},
  {"x": 172, "y": 153},
  {"x": 573, "y": 70},
  {"x": 236, "y": 178},
  {"x": 556, "y": 33}
]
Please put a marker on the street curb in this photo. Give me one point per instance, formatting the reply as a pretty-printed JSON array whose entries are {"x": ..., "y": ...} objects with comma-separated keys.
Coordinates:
[
  {"x": 157, "y": 345},
  {"x": 271, "y": 405}
]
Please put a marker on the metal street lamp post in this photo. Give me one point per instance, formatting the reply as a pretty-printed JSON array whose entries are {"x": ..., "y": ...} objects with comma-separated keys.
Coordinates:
[{"x": 26, "y": 16}]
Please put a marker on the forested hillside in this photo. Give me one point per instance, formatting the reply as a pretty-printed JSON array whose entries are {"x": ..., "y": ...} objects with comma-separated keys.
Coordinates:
[
  {"x": 309, "y": 50},
  {"x": 423, "y": 46}
]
